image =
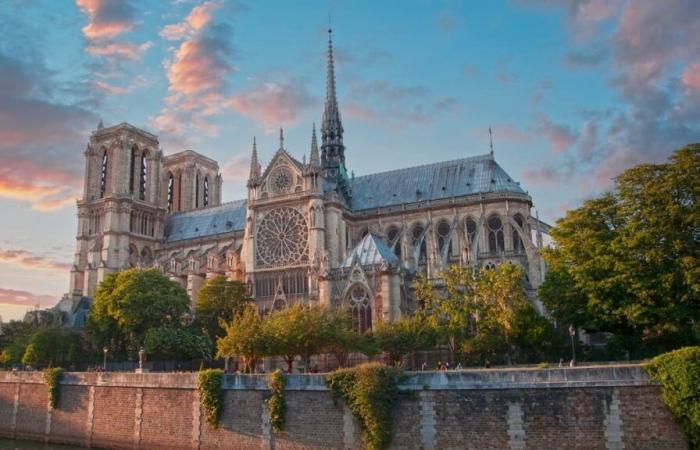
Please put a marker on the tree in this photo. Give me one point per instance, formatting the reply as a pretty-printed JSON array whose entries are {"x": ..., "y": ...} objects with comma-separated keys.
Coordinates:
[
  {"x": 628, "y": 262},
  {"x": 245, "y": 336},
  {"x": 450, "y": 311},
  {"x": 343, "y": 340},
  {"x": 405, "y": 336},
  {"x": 129, "y": 303},
  {"x": 299, "y": 330},
  {"x": 54, "y": 347},
  {"x": 170, "y": 343},
  {"x": 220, "y": 299}
]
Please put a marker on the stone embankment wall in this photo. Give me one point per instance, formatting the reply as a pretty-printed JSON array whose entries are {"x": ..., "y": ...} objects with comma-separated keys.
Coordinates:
[{"x": 611, "y": 407}]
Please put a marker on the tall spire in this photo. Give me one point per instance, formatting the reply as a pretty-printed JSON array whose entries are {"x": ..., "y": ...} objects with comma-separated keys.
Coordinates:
[
  {"x": 313, "y": 160},
  {"x": 332, "y": 148},
  {"x": 491, "y": 142},
  {"x": 254, "y": 166}
]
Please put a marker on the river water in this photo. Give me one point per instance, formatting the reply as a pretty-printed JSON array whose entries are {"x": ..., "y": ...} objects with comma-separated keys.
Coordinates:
[{"x": 11, "y": 444}]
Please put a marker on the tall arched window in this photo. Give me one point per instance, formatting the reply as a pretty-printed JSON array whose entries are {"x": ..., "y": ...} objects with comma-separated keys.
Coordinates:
[
  {"x": 518, "y": 246},
  {"x": 196, "y": 191},
  {"x": 360, "y": 309},
  {"x": 132, "y": 169},
  {"x": 170, "y": 192},
  {"x": 206, "y": 191},
  {"x": 496, "y": 240},
  {"x": 142, "y": 178},
  {"x": 471, "y": 230},
  {"x": 443, "y": 232},
  {"x": 417, "y": 235},
  {"x": 103, "y": 175},
  {"x": 393, "y": 237}
]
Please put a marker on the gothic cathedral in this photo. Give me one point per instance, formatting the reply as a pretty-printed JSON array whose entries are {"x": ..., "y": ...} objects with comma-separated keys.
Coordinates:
[{"x": 307, "y": 232}]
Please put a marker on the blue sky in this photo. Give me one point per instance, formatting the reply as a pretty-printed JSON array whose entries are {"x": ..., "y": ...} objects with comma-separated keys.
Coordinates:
[{"x": 575, "y": 91}]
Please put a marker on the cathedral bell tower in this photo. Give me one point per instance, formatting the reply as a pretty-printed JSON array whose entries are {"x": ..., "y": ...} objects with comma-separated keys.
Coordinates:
[
  {"x": 332, "y": 148},
  {"x": 120, "y": 217}
]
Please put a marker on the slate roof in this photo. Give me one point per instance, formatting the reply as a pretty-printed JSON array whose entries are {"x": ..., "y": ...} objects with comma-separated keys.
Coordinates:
[
  {"x": 206, "y": 222},
  {"x": 460, "y": 177},
  {"x": 370, "y": 250}
]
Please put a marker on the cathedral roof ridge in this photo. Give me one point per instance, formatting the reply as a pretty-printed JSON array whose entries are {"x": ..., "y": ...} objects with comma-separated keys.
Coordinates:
[
  {"x": 485, "y": 156},
  {"x": 127, "y": 126}
]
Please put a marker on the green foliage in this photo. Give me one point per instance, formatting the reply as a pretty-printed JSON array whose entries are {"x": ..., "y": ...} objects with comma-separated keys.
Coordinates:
[
  {"x": 219, "y": 300},
  {"x": 628, "y": 262},
  {"x": 276, "y": 404},
  {"x": 371, "y": 391},
  {"x": 129, "y": 303},
  {"x": 211, "y": 394},
  {"x": 55, "y": 346},
  {"x": 14, "y": 340},
  {"x": 679, "y": 374},
  {"x": 245, "y": 336},
  {"x": 406, "y": 335},
  {"x": 299, "y": 330},
  {"x": 52, "y": 378},
  {"x": 177, "y": 343}
]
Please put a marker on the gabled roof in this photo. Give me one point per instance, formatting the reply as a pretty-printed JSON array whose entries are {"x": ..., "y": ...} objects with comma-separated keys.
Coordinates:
[
  {"x": 460, "y": 177},
  {"x": 206, "y": 222},
  {"x": 369, "y": 251},
  {"x": 282, "y": 153}
]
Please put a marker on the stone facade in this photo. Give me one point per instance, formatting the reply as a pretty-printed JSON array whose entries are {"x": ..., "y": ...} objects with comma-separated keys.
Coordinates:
[
  {"x": 612, "y": 407},
  {"x": 308, "y": 231}
]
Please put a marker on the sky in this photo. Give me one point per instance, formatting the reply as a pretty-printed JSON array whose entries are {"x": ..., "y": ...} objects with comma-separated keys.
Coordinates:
[{"x": 574, "y": 90}]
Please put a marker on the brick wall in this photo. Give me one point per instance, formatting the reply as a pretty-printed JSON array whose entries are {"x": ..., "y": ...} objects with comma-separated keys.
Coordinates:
[{"x": 582, "y": 408}]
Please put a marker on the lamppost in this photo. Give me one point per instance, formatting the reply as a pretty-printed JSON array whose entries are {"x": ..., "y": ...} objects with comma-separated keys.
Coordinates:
[
  {"x": 105, "y": 350},
  {"x": 572, "y": 333}
]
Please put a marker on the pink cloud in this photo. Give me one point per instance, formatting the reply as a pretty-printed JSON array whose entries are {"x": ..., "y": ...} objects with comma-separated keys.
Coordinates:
[
  {"x": 560, "y": 137},
  {"x": 197, "y": 19},
  {"x": 123, "y": 50},
  {"x": 691, "y": 77},
  {"x": 27, "y": 259},
  {"x": 273, "y": 104},
  {"x": 16, "y": 297},
  {"x": 108, "y": 18},
  {"x": 236, "y": 169}
]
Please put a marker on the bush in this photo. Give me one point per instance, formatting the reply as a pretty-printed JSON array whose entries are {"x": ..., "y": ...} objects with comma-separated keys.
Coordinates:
[
  {"x": 52, "y": 378},
  {"x": 276, "y": 404},
  {"x": 371, "y": 391},
  {"x": 211, "y": 395},
  {"x": 679, "y": 374}
]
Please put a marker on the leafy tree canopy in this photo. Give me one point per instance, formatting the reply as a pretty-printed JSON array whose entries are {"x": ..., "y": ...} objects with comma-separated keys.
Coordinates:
[
  {"x": 628, "y": 262},
  {"x": 245, "y": 336},
  {"x": 129, "y": 303},
  {"x": 220, "y": 299}
]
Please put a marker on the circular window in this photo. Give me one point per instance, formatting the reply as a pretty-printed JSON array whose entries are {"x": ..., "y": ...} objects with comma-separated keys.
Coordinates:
[
  {"x": 281, "y": 180},
  {"x": 281, "y": 238}
]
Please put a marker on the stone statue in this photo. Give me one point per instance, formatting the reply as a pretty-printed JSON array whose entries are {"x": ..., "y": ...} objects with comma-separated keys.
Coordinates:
[{"x": 142, "y": 358}]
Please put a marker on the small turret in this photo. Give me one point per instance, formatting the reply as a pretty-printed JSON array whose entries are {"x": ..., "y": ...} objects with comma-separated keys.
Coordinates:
[
  {"x": 314, "y": 160},
  {"x": 254, "y": 167}
]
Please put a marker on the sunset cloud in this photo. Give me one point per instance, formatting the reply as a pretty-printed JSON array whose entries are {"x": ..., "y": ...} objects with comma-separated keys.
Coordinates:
[
  {"x": 40, "y": 138},
  {"x": 274, "y": 104},
  {"x": 560, "y": 137},
  {"x": 123, "y": 50},
  {"x": 107, "y": 18},
  {"x": 14, "y": 297},
  {"x": 236, "y": 169},
  {"x": 30, "y": 260},
  {"x": 198, "y": 18}
]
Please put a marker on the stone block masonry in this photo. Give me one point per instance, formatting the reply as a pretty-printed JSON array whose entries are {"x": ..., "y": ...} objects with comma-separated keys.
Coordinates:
[{"x": 607, "y": 407}]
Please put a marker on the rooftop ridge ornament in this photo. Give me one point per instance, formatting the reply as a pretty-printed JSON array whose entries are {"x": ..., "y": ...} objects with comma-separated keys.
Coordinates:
[
  {"x": 313, "y": 160},
  {"x": 254, "y": 165},
  {"x": 491, "y": 142},
  {"x": 281, "y": 138}
]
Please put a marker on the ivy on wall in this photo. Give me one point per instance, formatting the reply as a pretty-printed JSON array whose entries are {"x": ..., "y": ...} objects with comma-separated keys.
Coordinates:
[
  {"x": 211, "y": 394},
  {"x": 52, "y": 378},
  {"x": 679, "y": 374},
  {"x": 276, "y": 404},
  {"x": 371, "y": 391}
]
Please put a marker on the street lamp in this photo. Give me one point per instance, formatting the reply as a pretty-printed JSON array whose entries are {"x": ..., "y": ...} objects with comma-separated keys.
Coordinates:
[
  {"x": 105, "y": 350},
  {"x": 572, "y": 333}
]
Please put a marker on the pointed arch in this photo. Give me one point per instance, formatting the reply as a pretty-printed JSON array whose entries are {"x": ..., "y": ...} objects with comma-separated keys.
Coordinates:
[
  {"x": 359, "y": 303},
  {"x": 171, "y": 191},
  {"x": 393, "y": 236},
  {"x": 205, "y": 201},
  {"x": 143, "y": 177},
  {"x": 496, "y": 240}
]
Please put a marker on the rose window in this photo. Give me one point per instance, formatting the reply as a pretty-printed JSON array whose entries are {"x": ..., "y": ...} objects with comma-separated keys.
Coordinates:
[
  {"x": 282, "y": 238},
  {"x": 281, "y": 181}
]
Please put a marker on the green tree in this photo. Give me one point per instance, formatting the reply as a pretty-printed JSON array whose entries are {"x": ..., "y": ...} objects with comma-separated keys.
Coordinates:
[
  {"x": 450, "y": 310},
  {"x": 171, "y": 343},
  {"x": 245, "y": 336},
  {"x": 628, "y": 262},
  {"x": 299, "y": 330},
  {"x": 405, "y": 336},
  {"x": 55, "y": 346},
  {"x": 219, "y": 299},
  {"x": 129, "y": 303},
  {"x": 342, "y": 340}
]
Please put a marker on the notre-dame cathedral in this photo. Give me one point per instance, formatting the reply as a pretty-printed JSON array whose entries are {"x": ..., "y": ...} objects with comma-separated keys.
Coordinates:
[{"x": 307, "y": 232}]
